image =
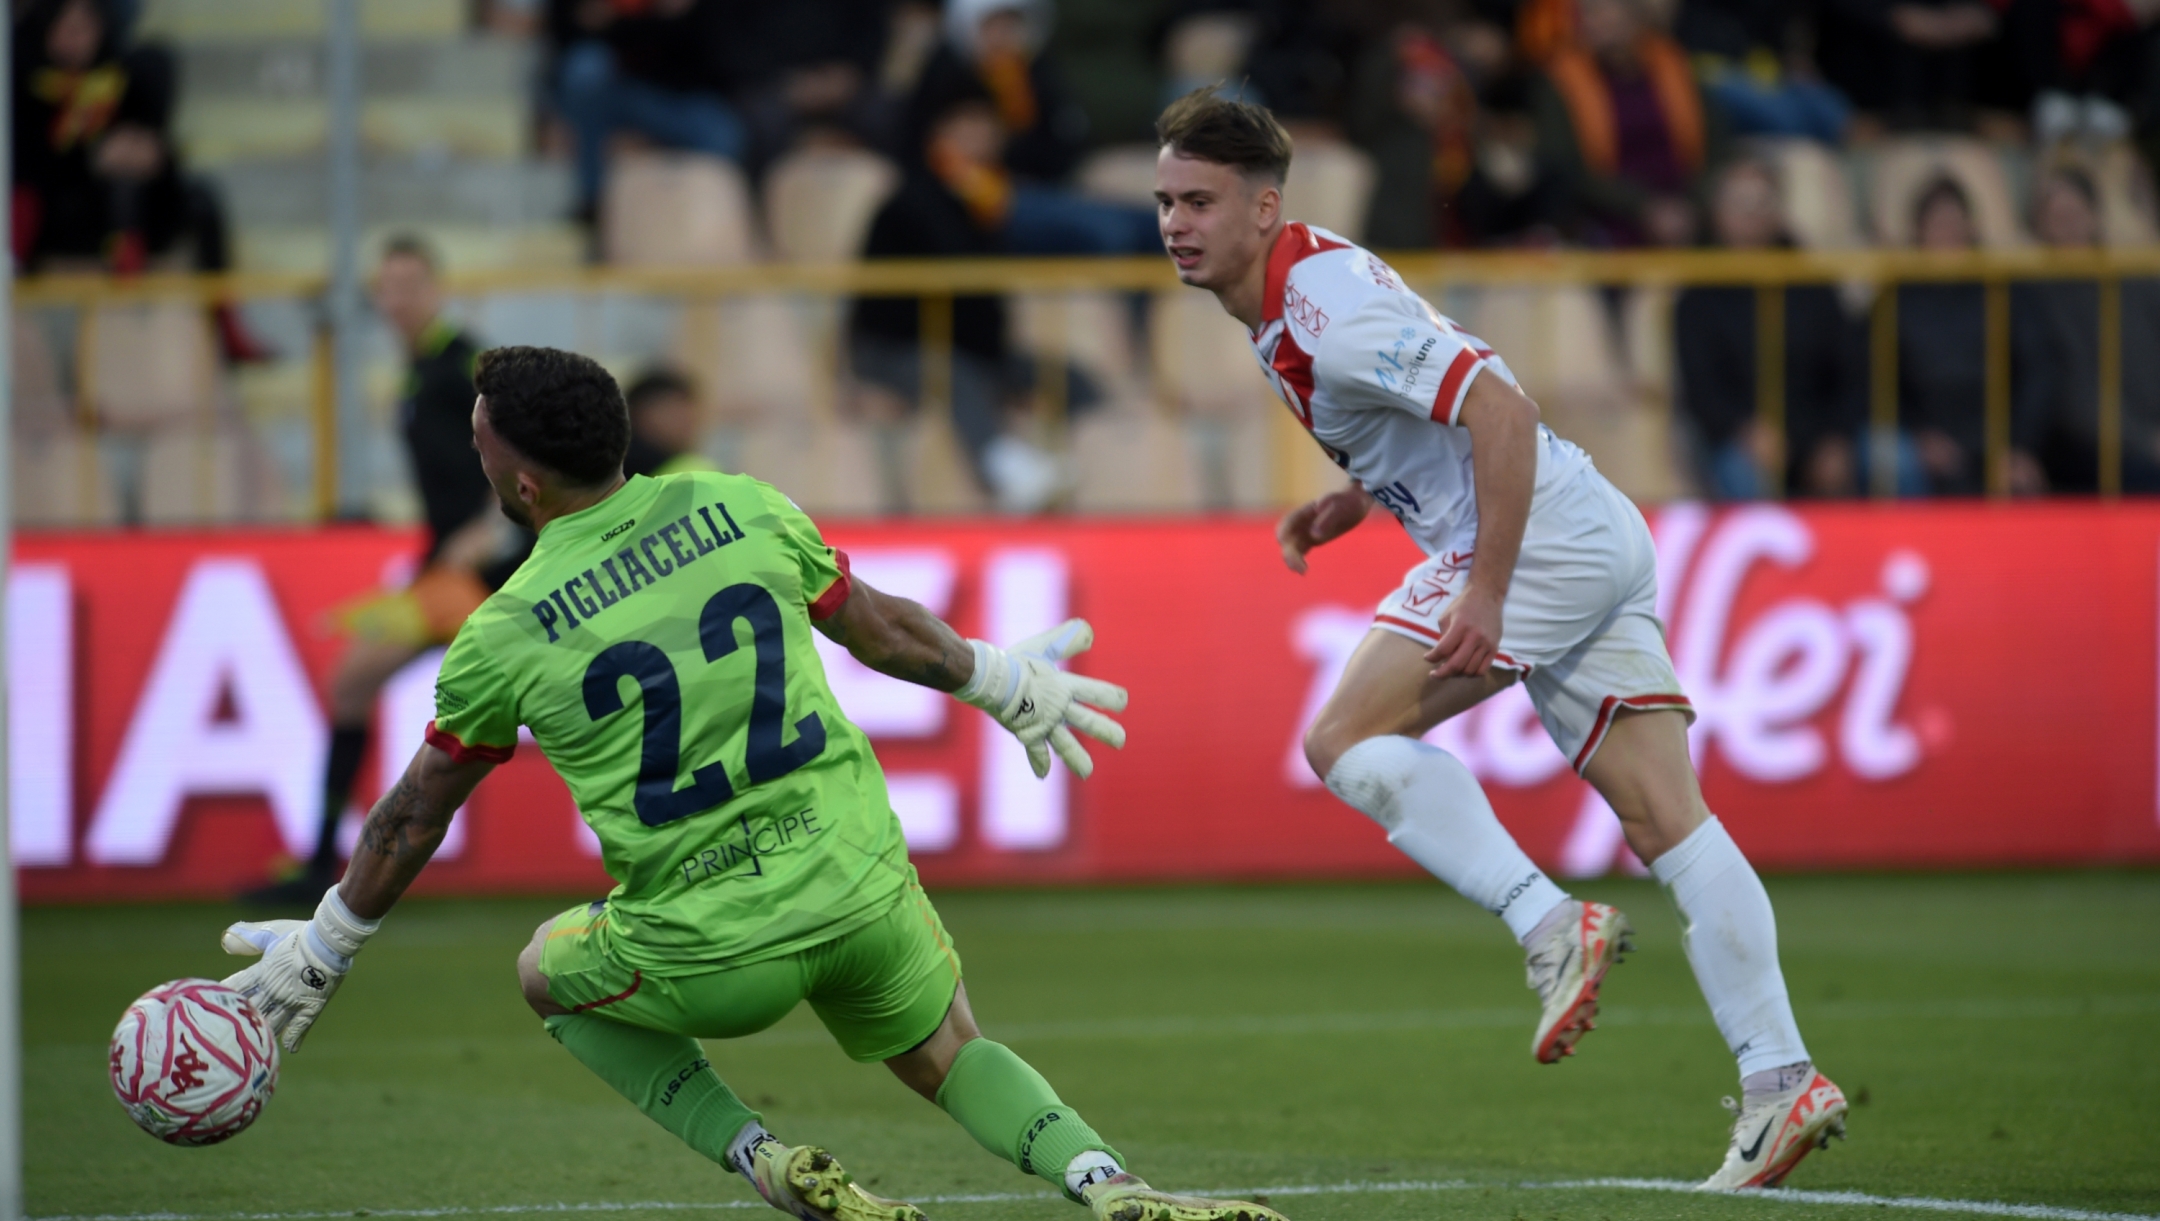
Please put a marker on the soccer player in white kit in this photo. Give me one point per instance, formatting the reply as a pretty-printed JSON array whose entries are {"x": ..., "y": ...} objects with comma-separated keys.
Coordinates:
[{"x": 1538, "y": 570}]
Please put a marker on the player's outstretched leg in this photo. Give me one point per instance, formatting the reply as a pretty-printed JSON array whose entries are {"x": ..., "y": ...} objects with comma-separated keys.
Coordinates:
[
  {"x": 1787, "y": 1109},
  {"x": 1365, "y": 745},
  {"x": 1011, "y": 1110},
  {"x": 1438, "y": 815},
  {"x": 668, "y": 1077}
]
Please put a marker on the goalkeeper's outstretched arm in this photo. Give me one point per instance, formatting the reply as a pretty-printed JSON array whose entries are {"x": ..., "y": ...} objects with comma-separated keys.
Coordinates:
[
  {"x": 304, "y": 961},
  {"x": 405, "y": 828},
  {"x": 1021, "y": 686},
  {"x": 895, "y": 636}
]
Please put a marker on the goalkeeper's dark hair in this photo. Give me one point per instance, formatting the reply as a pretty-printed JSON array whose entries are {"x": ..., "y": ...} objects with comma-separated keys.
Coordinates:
[
  {"x": 560, "y": 409},
  {"x": 1206, "y": 125}
]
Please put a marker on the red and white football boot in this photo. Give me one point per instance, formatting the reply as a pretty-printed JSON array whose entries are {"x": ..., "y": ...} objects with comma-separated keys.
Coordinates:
[
  {"x": 1772, "y": 1133},
  {"x": 1566, "y": 969}
]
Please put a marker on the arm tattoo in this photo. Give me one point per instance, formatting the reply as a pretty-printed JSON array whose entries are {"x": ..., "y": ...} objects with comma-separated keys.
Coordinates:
[
  {"x": 939, "y": 670},
  {"x": 401, "y": 827}
]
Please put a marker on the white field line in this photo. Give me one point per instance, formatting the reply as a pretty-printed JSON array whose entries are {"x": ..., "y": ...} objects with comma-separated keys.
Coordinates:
[{"x": 1986, "y": 1208}]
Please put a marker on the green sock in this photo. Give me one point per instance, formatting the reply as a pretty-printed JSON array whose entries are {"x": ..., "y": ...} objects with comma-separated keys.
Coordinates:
[
  {"x": 665, "y": 1075},
  {"x": 1011, "y": 1111}
]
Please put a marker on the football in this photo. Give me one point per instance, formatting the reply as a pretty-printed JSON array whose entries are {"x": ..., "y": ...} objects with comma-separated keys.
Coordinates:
[{"x": 193, "y": 1062}]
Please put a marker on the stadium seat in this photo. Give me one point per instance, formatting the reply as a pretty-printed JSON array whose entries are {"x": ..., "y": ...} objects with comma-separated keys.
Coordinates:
[
  {"x": 1203, "y": 361},
  {"x": 151, "y": 365},
  {"x": 2125, "y": 184},
  {"x": 819, "y": 203},
  {"x": 1129, "y": 459},
  {"x": 1094, "y": 330},
  {"x": 754, "y": 357},
  {"x": 1563, "y": 346},
  {"x": 57, "y": 480},
  {"x": 1818, "y": 194},
  {"x": 676, "y": 210},
  {"x": 1901, "y": 167},
  {"x": 1331, "y": 185},
  {"x": 828, "y": 466},
  {"x": 1123, "y": 173},
  {"x": 198, "y": 476}
]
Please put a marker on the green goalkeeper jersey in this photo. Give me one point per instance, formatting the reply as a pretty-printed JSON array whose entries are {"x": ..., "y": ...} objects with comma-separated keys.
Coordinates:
[{"x": 658, "y": 645}]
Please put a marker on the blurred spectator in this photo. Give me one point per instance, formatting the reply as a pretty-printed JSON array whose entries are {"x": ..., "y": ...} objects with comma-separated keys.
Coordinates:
[
  {"x": 1916, "y": 62},
  {"x": 653, "y": 68},
  {"x": 1622, "y": 121},
  {"x": 1204, "y": 47},
  {"x": 992, "y": 55},
  {"x": 1941, "y": 358},
  {"x": 664, "y": 425},
  {"x": 1714, "y": 330},
  {"x": 96, "y": 174},
  {"x": 1455, "y": 169},
  {"x": 2096, "y": 65},
  {"x": 1754, "y": 70},
  {"x": 952, "y": 202},
  {"x": 2055, "y": 359},
  {"x": 995, "y": 48},
  {"x": 809, "y": 73}
]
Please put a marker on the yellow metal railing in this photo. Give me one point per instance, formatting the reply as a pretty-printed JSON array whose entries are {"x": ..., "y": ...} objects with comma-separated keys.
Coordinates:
[{"x": 937, "y": 282}]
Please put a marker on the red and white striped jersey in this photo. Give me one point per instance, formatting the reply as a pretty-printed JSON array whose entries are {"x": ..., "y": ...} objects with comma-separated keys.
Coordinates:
[{"x": 1378, "y": 377}]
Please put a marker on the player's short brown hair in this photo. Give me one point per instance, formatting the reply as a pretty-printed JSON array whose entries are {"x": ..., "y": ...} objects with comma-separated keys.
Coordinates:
[
  {"x": 558, "y": 408},
  {"x": 1210, "y": 127}
]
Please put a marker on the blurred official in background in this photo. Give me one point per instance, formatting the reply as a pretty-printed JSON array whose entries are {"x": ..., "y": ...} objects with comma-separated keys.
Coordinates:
[{"x": 471, "y": 548}]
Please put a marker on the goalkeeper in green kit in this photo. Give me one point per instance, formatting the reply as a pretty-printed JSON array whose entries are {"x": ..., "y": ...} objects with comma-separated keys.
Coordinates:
[{"x": 657, "y": 643}]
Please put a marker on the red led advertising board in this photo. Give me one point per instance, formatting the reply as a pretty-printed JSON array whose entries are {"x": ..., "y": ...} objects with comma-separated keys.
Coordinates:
[{"x": 1879, "y": 687}]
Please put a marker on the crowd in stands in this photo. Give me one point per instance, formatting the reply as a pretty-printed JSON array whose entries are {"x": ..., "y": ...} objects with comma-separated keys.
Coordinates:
[
  {"x": 1480, "y": 123},
  {"x": 98, "y": 180}
]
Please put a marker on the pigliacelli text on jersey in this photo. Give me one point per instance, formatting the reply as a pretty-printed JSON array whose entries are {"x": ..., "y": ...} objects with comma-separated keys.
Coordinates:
[{"x": 644, "y": 562}]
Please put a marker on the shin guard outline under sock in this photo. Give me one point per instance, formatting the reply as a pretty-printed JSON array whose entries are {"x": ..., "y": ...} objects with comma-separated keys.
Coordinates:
[
  {"x": 1011, "y": 1110},
  {"x": 1437, "y": 814},
  {"x": 664, "y": 1075},
  {"x": 1730, "y": 934}
]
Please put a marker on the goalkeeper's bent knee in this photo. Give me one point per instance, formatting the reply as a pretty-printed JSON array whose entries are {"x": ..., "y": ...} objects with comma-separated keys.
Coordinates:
[{"x": 1011, "y": 1110}]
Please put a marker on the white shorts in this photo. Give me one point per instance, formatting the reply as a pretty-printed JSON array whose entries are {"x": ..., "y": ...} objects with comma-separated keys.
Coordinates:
[{"x": 1580, "y": 623}]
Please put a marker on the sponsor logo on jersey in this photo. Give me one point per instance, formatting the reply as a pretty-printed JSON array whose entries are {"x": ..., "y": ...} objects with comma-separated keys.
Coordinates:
[
  {"x": 1400, "y": 365},
  {"x": 1396, "y": 498},
  {"x": 1382, "y": 274},
  {"x": 766, "y": 839},
  {"x": 646, "y": 560},
  {"x": 618, "y": 530},
  {"x": 1302, "y": 312}
]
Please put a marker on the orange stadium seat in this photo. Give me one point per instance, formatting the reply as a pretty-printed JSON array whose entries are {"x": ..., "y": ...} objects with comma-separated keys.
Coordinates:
[
  {"x": 676, "y": 209},
  {"x": 1902, "y": 167},
  {"x": 819, "y": 203}
]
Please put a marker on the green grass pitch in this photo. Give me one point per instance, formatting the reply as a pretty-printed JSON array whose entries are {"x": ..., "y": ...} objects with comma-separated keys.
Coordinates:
[{"x": 1999, "y": 1033}]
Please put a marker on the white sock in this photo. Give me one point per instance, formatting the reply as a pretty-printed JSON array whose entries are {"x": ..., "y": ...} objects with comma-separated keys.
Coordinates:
[
  {"x": 1435, "y": 814},
  {"x": 1089, "y": 1168},
  {"x": 752, "y": 1135},
  {"x": 1731, "y": 939}
]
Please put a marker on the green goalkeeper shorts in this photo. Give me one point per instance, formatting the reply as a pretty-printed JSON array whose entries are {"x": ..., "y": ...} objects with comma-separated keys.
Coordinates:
[{"x": 880, "y": 990}]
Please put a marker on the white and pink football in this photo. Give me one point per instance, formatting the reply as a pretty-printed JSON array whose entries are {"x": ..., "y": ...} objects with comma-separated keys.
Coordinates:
[{"x": 193, "y": 1062}]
